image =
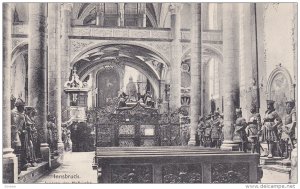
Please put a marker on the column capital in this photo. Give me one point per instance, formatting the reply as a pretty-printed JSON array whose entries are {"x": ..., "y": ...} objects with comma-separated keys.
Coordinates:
[{"x": 175, "y": 8}]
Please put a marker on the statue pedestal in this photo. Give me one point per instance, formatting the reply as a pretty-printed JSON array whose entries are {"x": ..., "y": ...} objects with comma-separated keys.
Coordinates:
[
  {"x": 192, "y": 142},
  {"x": 229, "y": 146},
  {"x": 46, "y": 155},
  {"x": 10, "y": 166},
  {"x": 60, "y": 150}
]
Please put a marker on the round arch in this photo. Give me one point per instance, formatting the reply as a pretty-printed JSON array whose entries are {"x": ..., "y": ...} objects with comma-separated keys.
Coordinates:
[
  {"x": 93, "y": 46},
  {"x": 153, "y": 79},
  {"x": 19, "y": 49},
  {"x": 211, "y": 48},
  {"x": 276, "y": 72}
]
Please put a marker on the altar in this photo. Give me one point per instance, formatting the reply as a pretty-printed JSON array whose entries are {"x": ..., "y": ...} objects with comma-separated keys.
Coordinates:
[{"x": 170, "y": 164}]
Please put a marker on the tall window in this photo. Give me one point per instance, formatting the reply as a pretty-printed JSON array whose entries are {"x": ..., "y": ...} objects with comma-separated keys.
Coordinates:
[
  {"x": 91, "y": 18},
  {"x": 111, "y": 14},
  {"x": 131, "y": 14}
]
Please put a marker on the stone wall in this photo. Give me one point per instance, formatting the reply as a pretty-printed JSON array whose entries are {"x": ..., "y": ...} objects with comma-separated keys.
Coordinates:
[{"x": 277, "y": 39}]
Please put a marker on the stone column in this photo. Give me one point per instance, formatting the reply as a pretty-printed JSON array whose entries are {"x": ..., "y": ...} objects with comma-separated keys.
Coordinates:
[
  {"x": 10, "y": 162},
  {"x": 37, "y": 72},
  {"x": 230, "y": 73},
  {"x": 176, "y": 53},
  {"x": 55, "y": 69},
  {"x": 195, "y": 70},
  {"x": 248, "y": 59},
  {"x": 121, "y": 14},
  {"x": 64, "y": 55}
]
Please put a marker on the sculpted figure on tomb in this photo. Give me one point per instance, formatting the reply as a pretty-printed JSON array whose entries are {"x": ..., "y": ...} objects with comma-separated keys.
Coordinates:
[{"x": 131, "y": 90}]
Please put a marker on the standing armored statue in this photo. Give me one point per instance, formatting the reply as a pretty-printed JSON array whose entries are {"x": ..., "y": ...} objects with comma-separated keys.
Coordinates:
[
  {"x": 31, "y": 134},
  {"x": 270, "y": 127},
  {"x": 252, "y": 130},
  {"x": 17, "y": 122},
  {"x": 15, "y": 127},
  {"x": 216, "y": 131},
  {"x": 207, "y": 132},
  {"x": 200, "y": 130},
  {"x": 289, "y": 127},
  {"x": 51, "y": 132},
  {"x": 240, "y": 135}
]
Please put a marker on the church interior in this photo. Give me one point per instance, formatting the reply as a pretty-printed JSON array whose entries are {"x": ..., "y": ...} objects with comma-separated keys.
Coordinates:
[{"x": 209, "y": 90}]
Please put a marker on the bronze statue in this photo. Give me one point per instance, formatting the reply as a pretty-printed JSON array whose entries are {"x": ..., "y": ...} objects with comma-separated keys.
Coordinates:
[
  {"x": 270, "y": 127},
  {"x": 252, "y": 130},
  {"x": 200, "y": 130},
  {"x": 207, "y": 132},
  {"x": 288, "y": 129},
  {"x": 17, "y": 122},
  {"x": 51, "y": 132},
  {"x": 216, "y": 131},
  {"x": 16, "y": 126},
  {"x": 30, "y": 127},
  {"x": 240, "y": 135}
]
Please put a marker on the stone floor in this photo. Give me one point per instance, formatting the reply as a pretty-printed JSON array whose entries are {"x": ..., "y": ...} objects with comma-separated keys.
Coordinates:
[
  {"x": 270, "y": 177},
  {"x": 78, "y": 167}
]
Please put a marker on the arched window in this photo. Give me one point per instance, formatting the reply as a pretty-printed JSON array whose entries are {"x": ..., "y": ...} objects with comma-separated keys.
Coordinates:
[
  {"x": 111, "y": 14},
  {"x": 131, "y": 14},
  {"x": 91, "y": 18}
]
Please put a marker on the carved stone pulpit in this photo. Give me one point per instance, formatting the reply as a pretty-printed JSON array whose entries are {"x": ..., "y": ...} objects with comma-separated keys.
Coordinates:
[{"x": 77, "y": 93}]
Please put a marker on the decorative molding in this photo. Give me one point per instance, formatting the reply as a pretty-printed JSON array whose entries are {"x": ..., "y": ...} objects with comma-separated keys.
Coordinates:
[
  {"x": 78, "y": 45},
  {"x": 140, "y": 33},
  {"x": 20, "y": 29},
  {"x": 103, "y": 32},
  {"x": 230, "y": 173},
  {"x": 182, "y": 173},
  {"x": 160, "y": 34},
  {"x": 132, "y": 173}
]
